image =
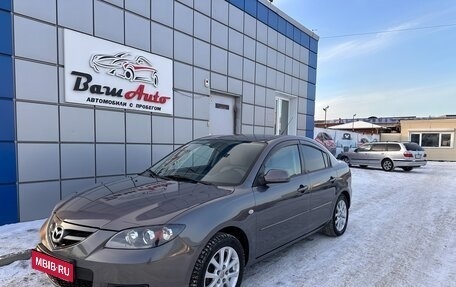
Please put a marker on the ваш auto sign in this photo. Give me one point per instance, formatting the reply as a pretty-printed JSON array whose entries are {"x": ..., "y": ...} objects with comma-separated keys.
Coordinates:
[{"x": 103, "y": 73}]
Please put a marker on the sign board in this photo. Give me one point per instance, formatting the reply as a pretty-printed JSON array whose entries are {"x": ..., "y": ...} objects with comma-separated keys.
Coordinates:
[{"x": 102, "y": 73}]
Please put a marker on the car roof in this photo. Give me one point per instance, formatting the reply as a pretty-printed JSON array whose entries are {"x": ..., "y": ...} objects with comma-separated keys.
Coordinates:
[{"x": 255, "y": 138}]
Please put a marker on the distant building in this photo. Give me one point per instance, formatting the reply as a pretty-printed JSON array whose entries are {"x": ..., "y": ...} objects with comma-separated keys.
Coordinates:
[{"x": 434, "y": 134}]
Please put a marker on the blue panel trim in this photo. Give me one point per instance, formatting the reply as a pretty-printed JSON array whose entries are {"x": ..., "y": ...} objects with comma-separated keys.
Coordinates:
[
  {"x": 310, "y": 108},
  {"x": 310, "y": 96},
  {"x": 276, "y": 22},
  {"x": 6, "y": 77},
  {"x": 273, "y": 20},
  {"x": 8, "y": 162},
  {"x": 251, "y": 7},
  {"x": 310, "y": 126},
  {"x": 282, "y": 26},
  {"x": 5, "y": 5},
  {"x": 6, "y": 121},
  {"x": 238, "y": 3},
  {"x": 313, "y": 45},
  {"x": 290, "y": 30},
  {"x": 305, "y": 40},
  {"x": 8, "y": 204},
  {"x": 312, "y": 59},
  {"x": 262, "y": 13},
  {"x": 312, "y": 75},
  {"x": 310, "y": 134},
  {"x": 6, "y": 32}
]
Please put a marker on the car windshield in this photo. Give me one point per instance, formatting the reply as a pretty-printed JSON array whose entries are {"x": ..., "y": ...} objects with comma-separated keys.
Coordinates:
[{"x": 211, "y": 161}]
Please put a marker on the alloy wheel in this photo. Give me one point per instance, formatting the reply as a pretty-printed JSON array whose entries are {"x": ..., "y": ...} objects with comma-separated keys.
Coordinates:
[{"x": 223, "y": 269}]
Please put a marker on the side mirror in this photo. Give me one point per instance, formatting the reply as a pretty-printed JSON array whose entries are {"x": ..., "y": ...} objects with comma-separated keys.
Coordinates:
[
  {"x": 276, "y": 176},
  {"x": 356, "y": 150}
]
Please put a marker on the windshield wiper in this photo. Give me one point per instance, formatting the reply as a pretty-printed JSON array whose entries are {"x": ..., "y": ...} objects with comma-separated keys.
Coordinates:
[
  {"x": 149, "y": 172},
  {"x": 177, "y": 177}
]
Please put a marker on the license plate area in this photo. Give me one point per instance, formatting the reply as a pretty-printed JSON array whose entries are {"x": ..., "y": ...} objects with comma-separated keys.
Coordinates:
[
  {"x": 418, "y": 156},
  {"x": 53, "y": 266}
]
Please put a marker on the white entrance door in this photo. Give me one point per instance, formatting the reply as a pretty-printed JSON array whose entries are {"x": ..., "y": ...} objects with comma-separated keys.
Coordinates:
[{"x": 221, "y": 115}]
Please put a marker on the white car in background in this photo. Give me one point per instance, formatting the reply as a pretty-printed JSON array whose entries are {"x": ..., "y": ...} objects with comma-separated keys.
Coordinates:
[{"x": 387, "y": 155}]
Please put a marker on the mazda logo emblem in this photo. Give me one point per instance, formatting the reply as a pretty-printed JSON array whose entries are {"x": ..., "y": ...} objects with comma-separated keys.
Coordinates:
[{"x": 57, "y": 234}]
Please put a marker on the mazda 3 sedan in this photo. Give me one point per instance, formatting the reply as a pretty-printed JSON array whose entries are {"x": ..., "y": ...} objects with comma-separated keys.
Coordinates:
[{"x": 198, "y": 216}]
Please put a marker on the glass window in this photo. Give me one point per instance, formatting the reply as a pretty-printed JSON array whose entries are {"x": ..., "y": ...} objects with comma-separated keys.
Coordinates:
[
  {"x": 394, "y": 147},
  {"x": 430, "y": 139},
  {"x": 379, "y": 147},
  {"x": 313, "y": 158},
  {"x": 366, "y": 147},
  {"x": 286, "y": 158},
  {"x": 222, "y": 162},
  {"x": 415, "y": 138},
  {"x": 282, "y": 115},
  {"x": 445, "y": 140}
]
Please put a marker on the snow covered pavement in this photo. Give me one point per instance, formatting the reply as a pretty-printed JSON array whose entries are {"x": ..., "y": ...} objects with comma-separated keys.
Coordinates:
[{"x": 401, "y": 232}]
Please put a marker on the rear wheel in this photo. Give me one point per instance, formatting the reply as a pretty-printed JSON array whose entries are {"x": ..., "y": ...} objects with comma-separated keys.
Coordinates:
[
  {"x": 407, "y": 168},
  {"x": 339, "y": 220},
  {"x": 387, "y": 164},
  {"x": 221, "y": 263}
]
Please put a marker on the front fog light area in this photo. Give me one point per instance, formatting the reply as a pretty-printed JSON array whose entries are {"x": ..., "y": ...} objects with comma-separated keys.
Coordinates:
[{"x": 144, "y": 237}]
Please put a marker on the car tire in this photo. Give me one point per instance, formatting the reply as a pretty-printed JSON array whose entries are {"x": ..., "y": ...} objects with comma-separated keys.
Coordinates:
[
  {"x": 228, "y": 273},
  {"x": 407, "y": 168},
  {"x": 339, "y": 219},
  {"x": 387, "y": 164}
]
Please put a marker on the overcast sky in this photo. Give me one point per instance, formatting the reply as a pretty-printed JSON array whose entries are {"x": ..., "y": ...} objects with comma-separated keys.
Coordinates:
[{"x": 397, "y": 73}]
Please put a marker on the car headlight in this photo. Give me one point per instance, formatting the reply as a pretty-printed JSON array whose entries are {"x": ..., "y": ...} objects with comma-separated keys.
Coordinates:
[{"x": 144, "y": 237}]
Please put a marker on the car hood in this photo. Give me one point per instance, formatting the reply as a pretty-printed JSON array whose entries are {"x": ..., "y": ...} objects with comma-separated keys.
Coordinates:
[{"x": 135, "y": 201}]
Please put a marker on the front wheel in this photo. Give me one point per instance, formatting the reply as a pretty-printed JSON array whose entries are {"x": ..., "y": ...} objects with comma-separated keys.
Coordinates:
[
  {"x": 221, "y": 263},
  {"x": 339, "y": 220}
]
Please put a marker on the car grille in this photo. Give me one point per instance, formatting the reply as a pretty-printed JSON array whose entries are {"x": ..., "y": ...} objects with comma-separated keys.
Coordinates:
[
  {"x": 75, "y": 283},
  {"x": 63, "y": 234}
]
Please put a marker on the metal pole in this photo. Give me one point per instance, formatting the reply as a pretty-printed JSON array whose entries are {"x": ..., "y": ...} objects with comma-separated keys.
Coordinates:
[
  {"x": 325, "y": 109},
  {"x": 353, "y": 123}
]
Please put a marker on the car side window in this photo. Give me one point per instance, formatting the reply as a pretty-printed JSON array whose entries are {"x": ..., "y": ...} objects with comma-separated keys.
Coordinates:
[
  {"x": 366, "y": 147},
  {"x": 394, "y": 147},
  {"x": 379, "y": 147},
  {"x": 286, "y": 158},
  {"x": 314, "y": 159}
]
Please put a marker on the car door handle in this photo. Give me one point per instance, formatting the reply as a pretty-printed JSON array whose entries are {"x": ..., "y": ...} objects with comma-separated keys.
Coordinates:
[{"x": 303, "y": 188}]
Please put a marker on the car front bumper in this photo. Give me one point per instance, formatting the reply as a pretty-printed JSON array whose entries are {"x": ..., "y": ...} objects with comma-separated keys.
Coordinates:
[{"x": 166, "y": 265}]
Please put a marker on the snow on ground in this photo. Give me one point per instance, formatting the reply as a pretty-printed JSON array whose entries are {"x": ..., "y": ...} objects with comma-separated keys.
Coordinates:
[{"x": 401, "y": 232}]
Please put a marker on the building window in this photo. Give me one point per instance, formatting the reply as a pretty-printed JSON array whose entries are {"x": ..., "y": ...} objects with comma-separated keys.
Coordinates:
[
  {"x": 286, "y": 113},
  {"x": 433, "y": 139}
]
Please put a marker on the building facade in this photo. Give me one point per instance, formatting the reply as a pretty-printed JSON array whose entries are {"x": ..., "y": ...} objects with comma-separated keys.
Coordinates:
[
  {"x": 94, "y": 90},
  {"x": 435, "y": 135}
]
